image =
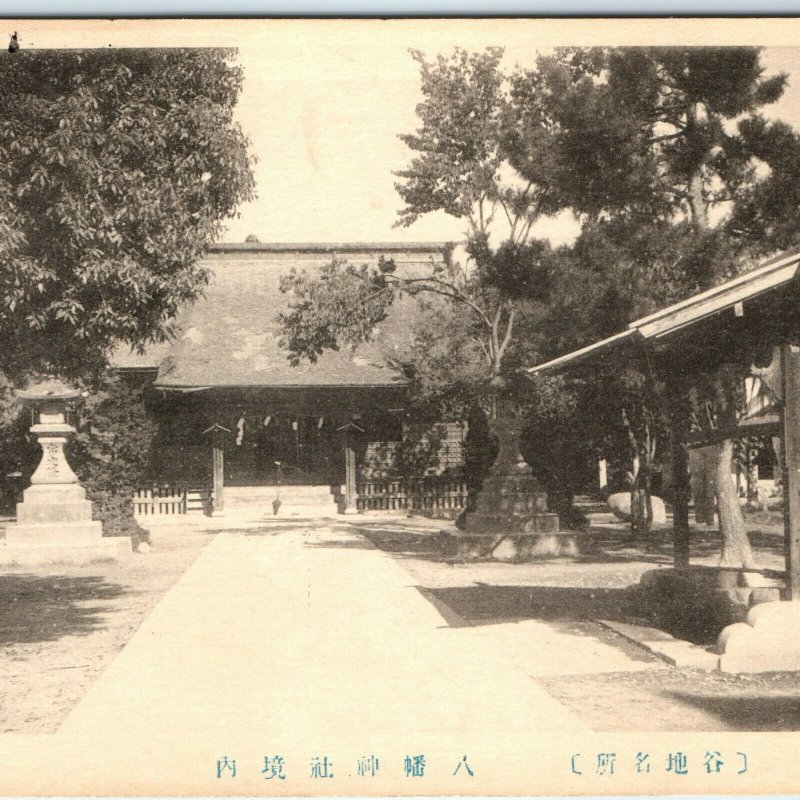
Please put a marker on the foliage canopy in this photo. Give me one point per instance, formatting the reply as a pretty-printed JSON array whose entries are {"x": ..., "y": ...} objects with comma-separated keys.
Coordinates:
[{"x": 117, "y": 169}]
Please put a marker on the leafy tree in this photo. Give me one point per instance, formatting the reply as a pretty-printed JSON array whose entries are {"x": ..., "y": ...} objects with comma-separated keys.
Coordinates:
[
  {"x": 458, "y": 167},
  {"x": 117, "y": 169},
  {"x": 661, "y": 154}
]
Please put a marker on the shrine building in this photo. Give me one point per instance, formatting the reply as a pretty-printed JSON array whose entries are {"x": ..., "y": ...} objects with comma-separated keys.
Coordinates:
[{"x": 236, "y": 419}]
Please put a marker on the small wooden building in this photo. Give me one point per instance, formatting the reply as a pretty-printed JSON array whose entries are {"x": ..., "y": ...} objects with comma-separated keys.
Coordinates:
[
  {"x": 751, "y": 322},
  {"x": 749, "y": 326}
]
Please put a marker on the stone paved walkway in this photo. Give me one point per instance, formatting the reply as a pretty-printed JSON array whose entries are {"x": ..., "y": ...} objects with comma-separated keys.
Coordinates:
[{"x": 304, "y": 640}]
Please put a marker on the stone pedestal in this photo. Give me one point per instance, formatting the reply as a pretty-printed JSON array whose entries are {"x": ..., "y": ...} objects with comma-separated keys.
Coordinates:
[
  {"x": 511, "y": 521},
  {"x": 54, "y": 520}
]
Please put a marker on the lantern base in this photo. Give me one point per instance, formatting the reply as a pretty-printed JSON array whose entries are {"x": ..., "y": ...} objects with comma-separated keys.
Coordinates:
[
  {"x": 28, "y": 548},
  {"x": 55, "y": 526}
]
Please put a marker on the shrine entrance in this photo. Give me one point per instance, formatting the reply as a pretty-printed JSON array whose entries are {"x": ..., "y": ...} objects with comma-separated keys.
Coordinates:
[
  {"x": 259, "y": 438},
  {"x": 284, "y": 449}
]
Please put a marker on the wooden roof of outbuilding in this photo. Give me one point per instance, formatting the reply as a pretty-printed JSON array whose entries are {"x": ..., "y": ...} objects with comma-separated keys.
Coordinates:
[
  {"x": 776, "y": 273},
  {"x": 229, "y": 338}
]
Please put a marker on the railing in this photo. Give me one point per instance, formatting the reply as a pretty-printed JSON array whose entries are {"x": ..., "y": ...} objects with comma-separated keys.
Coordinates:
[
  {"x": 171, "y": 500},
  {"x": 433, "y": 494}
]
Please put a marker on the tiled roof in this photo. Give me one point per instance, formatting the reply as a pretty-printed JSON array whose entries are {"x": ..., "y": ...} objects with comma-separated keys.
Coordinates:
[{"x": 230, "y": 337}]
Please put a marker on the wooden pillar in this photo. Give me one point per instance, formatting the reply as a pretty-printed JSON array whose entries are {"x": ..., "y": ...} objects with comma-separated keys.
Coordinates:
[
  {"x": 681, "y": 489},
  {"x": 218, "y": 472},
  {"x": 790, "y": 371},
  {"x": 350, "y": 490},
  {"x": 350, "y": 433}
]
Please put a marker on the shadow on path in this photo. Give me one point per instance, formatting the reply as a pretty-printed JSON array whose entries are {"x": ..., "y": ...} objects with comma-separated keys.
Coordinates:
[
  {"x": 765, "y": 713},
  {"x": 35, "y": 608},
  {"x": 343, "y": 544},
  {"x": 563, "y": 606}
]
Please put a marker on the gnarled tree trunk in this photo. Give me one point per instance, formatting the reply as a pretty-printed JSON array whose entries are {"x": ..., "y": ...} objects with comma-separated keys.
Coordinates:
[{"x": 736, "y": 550}]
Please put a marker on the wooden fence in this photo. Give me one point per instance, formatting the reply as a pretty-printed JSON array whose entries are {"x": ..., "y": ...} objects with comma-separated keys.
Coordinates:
[
  {"x": 171, "y": 500},
  {"x": 434, "y": 494}
]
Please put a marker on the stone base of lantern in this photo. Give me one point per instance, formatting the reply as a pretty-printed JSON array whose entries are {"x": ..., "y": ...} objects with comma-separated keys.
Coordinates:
[
  {"x": 511, "y": 522},
  {"x": 509, "y": 546},
  {"x": 55, "y": 526}
]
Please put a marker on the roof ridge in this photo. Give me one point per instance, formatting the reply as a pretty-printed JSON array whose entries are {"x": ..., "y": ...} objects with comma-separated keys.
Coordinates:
[{"x": 326, "y": 247}]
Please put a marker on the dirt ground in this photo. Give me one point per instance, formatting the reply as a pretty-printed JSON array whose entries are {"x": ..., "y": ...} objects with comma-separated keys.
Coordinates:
[
  {"x": 574, "y": 595},
  {"x": 59, "y": 631}
]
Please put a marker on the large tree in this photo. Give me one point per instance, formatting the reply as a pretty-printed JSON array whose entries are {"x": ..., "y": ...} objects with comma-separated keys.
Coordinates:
[
  {"x": 117, "y": 169},
  {"x": 664, "y": 155}
]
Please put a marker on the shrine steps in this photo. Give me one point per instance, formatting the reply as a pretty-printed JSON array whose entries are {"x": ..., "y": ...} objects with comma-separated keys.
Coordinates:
[{"x": 283, "y": 501}]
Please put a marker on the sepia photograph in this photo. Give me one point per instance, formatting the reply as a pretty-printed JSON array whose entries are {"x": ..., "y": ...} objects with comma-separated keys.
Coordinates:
[{"x": 399, "y": 407}]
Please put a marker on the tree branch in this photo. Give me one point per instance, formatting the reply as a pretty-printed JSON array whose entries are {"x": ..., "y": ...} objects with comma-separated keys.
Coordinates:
[
  {"x": 507, "y": 337},
  {"x": 454, "y": 293}
]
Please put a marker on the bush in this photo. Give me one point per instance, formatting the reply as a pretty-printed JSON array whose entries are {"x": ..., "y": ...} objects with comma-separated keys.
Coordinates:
[{"x": 111, "y": 451}]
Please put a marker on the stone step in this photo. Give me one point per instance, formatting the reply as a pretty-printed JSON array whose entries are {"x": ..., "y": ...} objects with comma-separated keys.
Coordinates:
[
  {"x": 271, "y": 492},
  {"x": 305, "y": 510},
  {"x": 284, "y": 498},
  {"x": 285, "y": 511},
  {"x": 311, "y": 502},
  {"x": 674, "y": 651},
  {"x": 68, "y": 532}
]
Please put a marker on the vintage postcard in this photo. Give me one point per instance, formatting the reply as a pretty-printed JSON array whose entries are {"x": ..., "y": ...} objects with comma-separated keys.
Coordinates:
[{"x": 400, "y": 407}]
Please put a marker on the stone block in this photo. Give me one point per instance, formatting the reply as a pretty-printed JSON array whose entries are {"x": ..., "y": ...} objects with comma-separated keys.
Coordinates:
[
  {"x": 54, "y": 513},
  {"x": 54, "y": 493},
  {"x": 768, "y": 615},
  {"x": 481, "y": 522},
  {"x": 508, "y": 547},
  {"x": 620, "y": 505},
  {"x": 760, "y": 661}
]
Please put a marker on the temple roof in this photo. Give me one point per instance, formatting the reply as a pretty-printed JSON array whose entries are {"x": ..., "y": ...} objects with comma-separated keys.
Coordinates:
[{"x": 229, "y": 338}]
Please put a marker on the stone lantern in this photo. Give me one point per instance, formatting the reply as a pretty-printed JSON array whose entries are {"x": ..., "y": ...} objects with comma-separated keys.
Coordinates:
[
  {"x": 511, "y": 520},
  {"x": 54, "y": 520}
]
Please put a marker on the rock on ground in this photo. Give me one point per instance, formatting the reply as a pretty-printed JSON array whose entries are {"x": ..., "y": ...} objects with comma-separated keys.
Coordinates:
[{"x": 620, "y": 505}]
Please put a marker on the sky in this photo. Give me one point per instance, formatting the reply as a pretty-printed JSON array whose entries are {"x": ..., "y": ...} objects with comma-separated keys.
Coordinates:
[{"x": 323, "y": 102}]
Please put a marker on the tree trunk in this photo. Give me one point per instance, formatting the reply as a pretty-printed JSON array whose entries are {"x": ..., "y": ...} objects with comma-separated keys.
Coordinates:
[
  {"x": 642, "y": 506},
  {"x": 633, "y": 475},
  {"x": 736, "y": 550},
  {"x": 702, "y": 466},
  {"x": 641, "y": 512}
]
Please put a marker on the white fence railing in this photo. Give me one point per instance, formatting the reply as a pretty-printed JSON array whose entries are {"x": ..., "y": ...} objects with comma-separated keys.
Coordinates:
[
  {"x": 433, "y": 494},
  {"x": 171, "y": 500}
]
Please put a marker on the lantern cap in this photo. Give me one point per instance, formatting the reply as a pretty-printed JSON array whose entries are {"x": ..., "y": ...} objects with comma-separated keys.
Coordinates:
[{"x": 47, "y": 389}]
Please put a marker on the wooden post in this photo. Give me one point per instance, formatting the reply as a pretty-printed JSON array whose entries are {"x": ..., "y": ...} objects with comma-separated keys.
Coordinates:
[
  {"x": 218, "y": 468},
  {"x": 790, "y": 371},
  {"x": 681, "y": 489},
  {"x": 217, "y": 464},
  {"x": 349, "y": 432},
  {"x": 350, "y": 491}
]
